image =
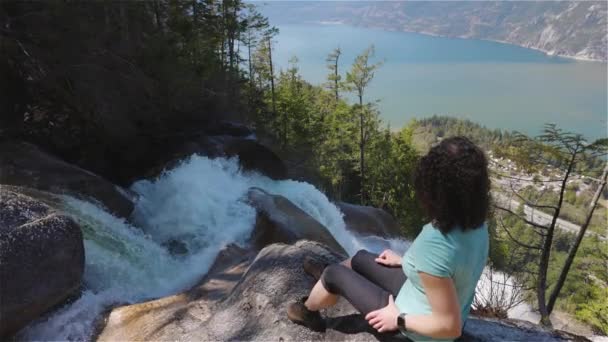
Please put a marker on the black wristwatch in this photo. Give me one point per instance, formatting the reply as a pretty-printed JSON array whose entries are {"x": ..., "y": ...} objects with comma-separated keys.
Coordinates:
[{"x": 401, "y": 324}]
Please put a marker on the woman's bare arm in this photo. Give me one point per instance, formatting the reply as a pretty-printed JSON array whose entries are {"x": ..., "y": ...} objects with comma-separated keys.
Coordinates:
[{"x": 445, "y": 320}]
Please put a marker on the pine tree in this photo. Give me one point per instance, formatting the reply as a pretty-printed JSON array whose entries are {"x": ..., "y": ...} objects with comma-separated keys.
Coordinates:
[
  {"x": 357, "y": 80},
  {"x": 334, "y": 76}
]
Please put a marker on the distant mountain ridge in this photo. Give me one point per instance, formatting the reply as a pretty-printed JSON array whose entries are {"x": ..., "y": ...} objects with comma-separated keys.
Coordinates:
[{"x": 576, "y": 29}]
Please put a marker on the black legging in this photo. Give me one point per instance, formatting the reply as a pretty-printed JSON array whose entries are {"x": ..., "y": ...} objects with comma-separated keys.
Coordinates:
[{"x": 367, "y": 285}]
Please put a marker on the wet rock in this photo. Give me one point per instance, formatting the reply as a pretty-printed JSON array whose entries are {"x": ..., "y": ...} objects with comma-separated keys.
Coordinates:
[
  {"x": 146, "y": 321},
  {"x": 234, "y": 129},
  {"x": 369, "y": 221},
  {"x": 176, "y": 247},
  {"x": 254, "y": 156},
  {"x": 279, "y": 220},
  {"x": 41, "y": 259},
  {"x": 23, "y": 164}
]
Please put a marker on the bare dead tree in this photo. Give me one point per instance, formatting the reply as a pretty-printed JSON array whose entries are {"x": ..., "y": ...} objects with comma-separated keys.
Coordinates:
[
  {"x": 497, "y": 293},
  {"x": 579, "y": 237},
  {"x": 565, "y": 151}
]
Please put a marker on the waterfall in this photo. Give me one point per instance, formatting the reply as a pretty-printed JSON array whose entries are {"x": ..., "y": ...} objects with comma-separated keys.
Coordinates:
[{"x": 198, "y": 208}]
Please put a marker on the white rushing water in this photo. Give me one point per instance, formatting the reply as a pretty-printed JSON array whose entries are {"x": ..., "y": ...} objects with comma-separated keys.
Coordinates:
[{"x": 197, "y": 207}]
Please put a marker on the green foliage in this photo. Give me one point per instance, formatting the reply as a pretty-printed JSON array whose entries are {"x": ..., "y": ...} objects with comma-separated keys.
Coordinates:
[
  {"x": 595, "y": 311},
  {"x": 357, "y": 80},
  {"x": 585, "y": 292},
  {"x": 334, "y": 79},
  {"x": 391, "y": 164},
  {"x": 429, "y": 131},
  {"x": 362, "y": 73},
  {"x": 499, "y": 250},
  {"x": 326, "y": 136}
]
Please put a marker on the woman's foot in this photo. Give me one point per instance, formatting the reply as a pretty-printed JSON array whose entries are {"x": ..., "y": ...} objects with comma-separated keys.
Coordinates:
[
  {"x": 313, "y": 267},
  {"x": 298, "y": 313}
]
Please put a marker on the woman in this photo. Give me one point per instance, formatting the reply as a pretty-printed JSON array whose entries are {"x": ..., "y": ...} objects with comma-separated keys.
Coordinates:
[{"x": 427, "y": 293}]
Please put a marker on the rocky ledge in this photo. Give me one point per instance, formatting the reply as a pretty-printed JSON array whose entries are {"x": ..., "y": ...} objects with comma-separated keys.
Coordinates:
[{"x": 244, "y": 298}]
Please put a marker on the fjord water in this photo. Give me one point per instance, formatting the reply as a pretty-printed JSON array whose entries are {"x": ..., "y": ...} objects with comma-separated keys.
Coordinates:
[
  {"x": 497, "y": 85},
  {"x": 199, "y": 204}
]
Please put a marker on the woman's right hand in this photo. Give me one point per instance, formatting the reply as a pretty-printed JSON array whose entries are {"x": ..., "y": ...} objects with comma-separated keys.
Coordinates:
[{"x": 389, "y": 258}]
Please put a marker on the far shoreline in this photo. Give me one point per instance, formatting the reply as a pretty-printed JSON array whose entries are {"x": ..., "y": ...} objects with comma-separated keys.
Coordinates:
[{"x": 432, "y": 34}]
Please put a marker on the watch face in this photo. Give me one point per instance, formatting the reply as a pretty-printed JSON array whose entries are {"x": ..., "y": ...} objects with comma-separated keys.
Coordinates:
[{"x": 401, "y": 323}]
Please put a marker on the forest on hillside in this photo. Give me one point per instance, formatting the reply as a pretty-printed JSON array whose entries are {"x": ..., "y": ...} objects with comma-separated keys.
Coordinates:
[{"x": 112, "y": 86}]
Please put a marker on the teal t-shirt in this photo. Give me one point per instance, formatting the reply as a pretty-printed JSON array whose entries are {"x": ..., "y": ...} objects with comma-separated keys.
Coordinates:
[{"x": 460, "y": 255}]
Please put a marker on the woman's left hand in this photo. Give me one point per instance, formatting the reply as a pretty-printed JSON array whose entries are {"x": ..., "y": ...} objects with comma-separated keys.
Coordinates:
[{"x": 384, "y": 319}]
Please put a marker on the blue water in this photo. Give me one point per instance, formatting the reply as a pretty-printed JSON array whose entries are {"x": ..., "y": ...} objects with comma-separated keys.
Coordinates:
[{"x": 497, "y": 85}]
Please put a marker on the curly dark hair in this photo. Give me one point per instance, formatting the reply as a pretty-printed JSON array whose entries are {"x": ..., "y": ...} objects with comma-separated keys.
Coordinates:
[{"x": 452, "y": 185}]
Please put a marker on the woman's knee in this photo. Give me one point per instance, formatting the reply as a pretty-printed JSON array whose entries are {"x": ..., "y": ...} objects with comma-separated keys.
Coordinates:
[
  {"x": 332, "y": 277},
  {"x": 360, "y": 258}
]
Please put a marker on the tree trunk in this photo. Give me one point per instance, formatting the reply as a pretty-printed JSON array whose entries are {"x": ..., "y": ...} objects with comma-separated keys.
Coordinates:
[
  {"x": 572, "y": 253},
  {"x": 195, "y": 54},
  {"x": 274, "y": 100},
  {"x": 250, "y": 65},
  {"x": 223, "y": 46},
  {"x": 249, "y": 62},
  {"x": 336, "y": 74},
  {"x": 232, "y": 35},
  {"x": 194, "y": 12},
  {"x": 546, "y": 252},
  {"x": 159, "y": 24},
  {"x": 284, "y": 133},
  {"x": 233, "y": 56},
  {"x": 106, "y": 12},
  {"x": 362, "y": 148},
  {"x": 124, "y": 20}
]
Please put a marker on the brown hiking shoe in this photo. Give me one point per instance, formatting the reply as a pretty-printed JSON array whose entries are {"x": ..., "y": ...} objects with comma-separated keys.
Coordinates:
[
  {"x": 298, "y": 313},
  {"x": 313, "y": 267}
]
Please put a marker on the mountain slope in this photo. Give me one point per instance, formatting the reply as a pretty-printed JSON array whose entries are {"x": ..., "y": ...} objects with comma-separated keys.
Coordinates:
[{"x": 567, "y": 28}]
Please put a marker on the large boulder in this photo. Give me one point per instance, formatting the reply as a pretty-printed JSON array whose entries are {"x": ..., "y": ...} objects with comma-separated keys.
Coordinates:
[
  {"x": 228, "y": 128},
  {"x": 367, "y": 221},
  {"x": 252, "y": 308},
  {"x": 23, "y": 164},
  {"x": 279, "y": 220},
  {"x": 41, "y": 259},
  {"x": 252, "y": 155}
]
